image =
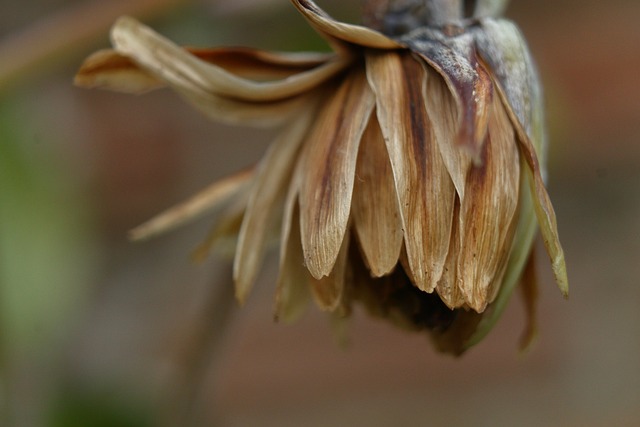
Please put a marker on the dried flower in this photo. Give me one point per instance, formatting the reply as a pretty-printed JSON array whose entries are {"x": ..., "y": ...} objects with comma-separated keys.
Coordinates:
[{"x": 407, "y": 173}]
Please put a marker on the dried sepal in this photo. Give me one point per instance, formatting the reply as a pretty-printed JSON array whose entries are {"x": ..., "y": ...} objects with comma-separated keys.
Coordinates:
[
  {"x": 330, "y": 163},
  {"x": 425, "y": 191},
  {"x": 376, "y": 215}
]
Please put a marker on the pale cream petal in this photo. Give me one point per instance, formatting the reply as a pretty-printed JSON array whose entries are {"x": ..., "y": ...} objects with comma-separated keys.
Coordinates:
[
  {"x": 268, "y": 192},
  {"x": 328, "y": 290},
  {"x": 205, "y": 201},
  {"x": 186, "y": 72},
  {"x": 441, "y": 104},
  {"x": 330, "y": 163},
  {"x": 488, "y": 212},
  {"x": 349, "y": 33},
  {"x": 376, "y": 215},
  {"x": 426, "y": 193}
]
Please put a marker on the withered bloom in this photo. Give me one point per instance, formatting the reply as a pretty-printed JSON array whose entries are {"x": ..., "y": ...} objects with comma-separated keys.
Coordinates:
[{"x": 407, "y": 174}]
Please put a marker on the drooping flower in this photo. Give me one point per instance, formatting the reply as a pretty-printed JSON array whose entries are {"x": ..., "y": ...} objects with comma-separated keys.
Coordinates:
[{"x": 407, "y": 173}]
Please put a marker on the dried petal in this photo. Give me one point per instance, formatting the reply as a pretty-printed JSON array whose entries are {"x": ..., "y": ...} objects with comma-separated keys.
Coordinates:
[
  {"x": 440, "y": 103},
  {"x": 488, "y": 211},
  {"x": 329, "y": 289},
  {"x": 204, "y": 202},
  {"x": 425, "y": 191},
  {"x": 376, "y": 215},
  {"x": 189, "y": 74},
  {"x": 447, "y": 286},
  {"x": 267, "y": 194},
  {"x": 335, "y": 30},
  {"x": 454, "y": 57},
  {"x": 330, "y": 163}
]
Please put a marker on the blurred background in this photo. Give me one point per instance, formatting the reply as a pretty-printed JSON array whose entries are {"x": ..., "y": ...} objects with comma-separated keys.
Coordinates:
[{"x": 98, "y": 331}]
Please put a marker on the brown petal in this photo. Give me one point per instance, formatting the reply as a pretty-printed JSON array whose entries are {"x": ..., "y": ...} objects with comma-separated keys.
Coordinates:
[
  {"x": 329, "y": 289},
  {"x": 488, "y": 211},
  {"x": 292, "y": 291},
  {"x": 441, "y": 103},
  {"x": 376, "y": 215},
  {"x": 330, "y": 163},
  {"x": 109, "y": 69},
  {"x": 349, "y": 33},
  {"x": 205, "y": 201},
  {"x": 425, "y": 190},
  {"x": 268, "y": 192},
  {"x": 186, "y": 72},
  {"x": 447, "y": 286},
  {"x": 455, "y": 59}
]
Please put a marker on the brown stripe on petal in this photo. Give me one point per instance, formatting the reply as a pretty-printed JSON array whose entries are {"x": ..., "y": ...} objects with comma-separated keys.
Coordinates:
[
  {"x": 330, "y": 163},
  {"x": 376, "y": 215},
  {"x": 425, "y": 190},
  {"x": 442, "y": 108},
  {"x": 488, "y": 212}
]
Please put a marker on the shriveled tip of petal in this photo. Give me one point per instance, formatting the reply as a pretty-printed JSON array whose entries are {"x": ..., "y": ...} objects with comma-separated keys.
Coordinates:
[{"x": 348, "y": 33}]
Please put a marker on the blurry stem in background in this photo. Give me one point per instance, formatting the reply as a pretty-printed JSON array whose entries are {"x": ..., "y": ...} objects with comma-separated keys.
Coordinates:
[
  {"x": 185, "y": 406},
  {"x": 55, "y": 36}
]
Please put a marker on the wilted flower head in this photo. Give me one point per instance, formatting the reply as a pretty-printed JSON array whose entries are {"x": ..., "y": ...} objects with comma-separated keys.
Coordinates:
[{"x": 406, "y": 176}]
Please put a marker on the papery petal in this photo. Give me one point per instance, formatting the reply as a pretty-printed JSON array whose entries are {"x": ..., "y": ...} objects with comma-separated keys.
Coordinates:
[
  {"x": 487, "y": 213},
  {"x": 267, "y": 194},
  {"x": 186, "y": 72},
  {"x": 205, "y": 201},
  {"x": 293, "y": 288},
  {"x": 349, "y": 33},
  {"x": 440, "y": 103},
  {"x": 504, "y": 49},
  {"x": 376, "y": 215},
  {"x": 447, "y": 286},
  {"x": 330, "y": 163},
  {"x": 425, "y": 191},
  {"x": 522, "y": 243},
  {"x": 454, "y": 58},
  {"x": 110, "y": 69},
  {"x": 328, "y": 290}
]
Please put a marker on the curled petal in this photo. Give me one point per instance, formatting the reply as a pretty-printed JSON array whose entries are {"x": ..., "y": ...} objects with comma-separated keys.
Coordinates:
[
  {"x": 347, "y": 33},
  {"x": 455, "y": 59},
  {"x": 376, "y": 215},
  {"x": 267, "y": 195},
  {"x": 205, "y": 201},
  {"x": 487, "y": 213},
  {"x": 186, "y": 72},
  {"x": 425, "y": 191},
  {"x": 330, "y": 163}
]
